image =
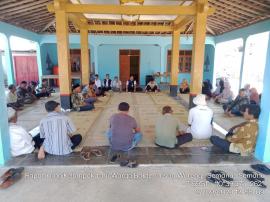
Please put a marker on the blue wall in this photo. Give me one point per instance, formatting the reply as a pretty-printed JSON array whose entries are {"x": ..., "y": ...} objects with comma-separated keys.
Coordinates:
[{"x": 105, "y": 52}]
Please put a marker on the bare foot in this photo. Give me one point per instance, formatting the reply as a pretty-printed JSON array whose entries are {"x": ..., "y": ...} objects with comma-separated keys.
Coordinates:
[{"x": 41, "y": 154}]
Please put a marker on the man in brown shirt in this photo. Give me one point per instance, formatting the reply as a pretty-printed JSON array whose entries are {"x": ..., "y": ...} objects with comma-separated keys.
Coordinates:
[{"x": 241, "y": 139}]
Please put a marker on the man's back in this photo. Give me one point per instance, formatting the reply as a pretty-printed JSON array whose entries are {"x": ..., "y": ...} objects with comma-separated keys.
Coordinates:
[
  {"x": 55, "y": 128},
  {"x": 122, "y": 127},
  {"x": 200, "y": 119},
  {"x": 166, "y": 129}
]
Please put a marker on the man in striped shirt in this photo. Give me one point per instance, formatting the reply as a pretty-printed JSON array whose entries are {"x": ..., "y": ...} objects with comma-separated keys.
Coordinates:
[{"x": 56, "y": 129}]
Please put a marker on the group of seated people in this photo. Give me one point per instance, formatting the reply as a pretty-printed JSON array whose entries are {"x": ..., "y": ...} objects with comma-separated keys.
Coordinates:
[
  {"x": 223, "y": 95},
  {"x": 57, "y": 131},
  {"x": 26, "y": 93}
]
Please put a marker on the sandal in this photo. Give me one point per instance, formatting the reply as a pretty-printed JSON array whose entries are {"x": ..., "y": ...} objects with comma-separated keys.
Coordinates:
[
  {"x": 253, "y": 175},
  {"x": 218, "y": 181},
  {"x": 96, "y": 152},
  {"x": 11, "y": 177},
  {"x": 222, "y": 175},
  {"x": 261, "y": 168},
  {"x": 114, "y": 158},
  {"x": 129, "y": 164},
  {"x": 85, "y": 155}
]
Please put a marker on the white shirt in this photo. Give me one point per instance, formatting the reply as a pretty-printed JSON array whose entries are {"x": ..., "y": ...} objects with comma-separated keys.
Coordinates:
[
  {"x": 11, "y": 97},
  {"x": 200, "y": 119},
  {"x": 116, "y": 84},
  {"x": 21, "y": 142},
  {"x": 98, "y": 83}
]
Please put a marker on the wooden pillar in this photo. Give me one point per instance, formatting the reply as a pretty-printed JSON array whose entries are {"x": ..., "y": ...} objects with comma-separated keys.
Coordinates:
[
  {"x": 174, "y": 63},
  {"x": 84, "y": 56},
  {"x": 63, "y": 51},
  {"x": 199, "y": 34}
]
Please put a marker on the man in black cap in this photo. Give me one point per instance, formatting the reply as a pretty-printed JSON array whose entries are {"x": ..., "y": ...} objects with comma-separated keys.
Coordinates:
[
  {"x": 57, "y": 129},
  {"x": 78, "y": 103}
]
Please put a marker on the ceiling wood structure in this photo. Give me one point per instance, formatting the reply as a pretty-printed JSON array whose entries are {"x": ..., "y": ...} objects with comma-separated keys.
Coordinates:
[{"x": 33, "y": 15}]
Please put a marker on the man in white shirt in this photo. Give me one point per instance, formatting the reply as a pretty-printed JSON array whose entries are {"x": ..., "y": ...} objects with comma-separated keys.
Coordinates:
[
  {"x": 200, "y": 119},
  {"x": 12, "y": 99},
  {"x": 21, "y": 141},
  {"x": 116, "y": 85},
  {"x": 98, "y": 87}
]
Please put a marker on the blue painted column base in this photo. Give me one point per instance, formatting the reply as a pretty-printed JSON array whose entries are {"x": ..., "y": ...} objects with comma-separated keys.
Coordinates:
[
  {"x": 191, "y": 97},
  {"x": 65, "y": 101},
  {"x": 173, "y": 90}
]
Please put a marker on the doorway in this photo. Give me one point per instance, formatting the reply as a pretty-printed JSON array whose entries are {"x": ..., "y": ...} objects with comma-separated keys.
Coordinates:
[{"x": 129, "y": 65}]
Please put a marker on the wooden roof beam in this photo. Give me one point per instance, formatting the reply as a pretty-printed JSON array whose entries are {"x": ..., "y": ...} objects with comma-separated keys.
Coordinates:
[
  {"x": 128, "y": 10},
  {"x": 183, "y": 23},
  {"x": 243, "y": 7},
  {"x": 232, "y": 8},
  {"x": 26, "y": 7},
  {"x": 123, "y": 28}
]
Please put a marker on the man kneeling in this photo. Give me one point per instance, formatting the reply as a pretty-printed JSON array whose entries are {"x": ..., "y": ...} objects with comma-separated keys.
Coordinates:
[
  {"x": 124, "y": 133},
  {"x": 56, "y": 129},
  {"x": 168, "y": 131},
  {"x": 241, "y": 139}
]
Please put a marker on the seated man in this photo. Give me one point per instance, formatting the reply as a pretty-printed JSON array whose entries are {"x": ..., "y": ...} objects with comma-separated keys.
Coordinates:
[
  {"x": 116, "y": 85},
  {"x": 124, "y": 133},
  {"x": 57, "y": 129},
  {"x": 234, "y": 108},
  {"x": 107, "y": 83},
  {"x": 98, "y": 88},
  {"x": 131, "y": 85},
  {"x": 23, "y": 95},
  {"x": 78, "y": 103},
  {"x": 200, "y": 119},
  {"x": 32, "y": 90},
  {"x": 168, "y": 131},
  {"x": 151, "y": 86},
  {"x": 184, "y": 87},
  {"x": 89, "y": 94},
  {"x": 21, "y": 142},
  {"x": 241, "y": 139},
  {"x": 12, "y": 99}
]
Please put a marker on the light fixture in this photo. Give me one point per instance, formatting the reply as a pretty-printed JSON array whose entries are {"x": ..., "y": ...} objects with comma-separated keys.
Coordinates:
[{"x": 131, "y": 18}]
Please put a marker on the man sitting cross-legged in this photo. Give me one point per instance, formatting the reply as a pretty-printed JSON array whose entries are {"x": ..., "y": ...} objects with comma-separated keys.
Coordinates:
[
  {"x": 21, "y": 142},
  {"x": 78, "y": 102},
  {"x": 241, "y": 139},
  {"x": 124, "y": 133},
  {"x": 168, "y": 131},
  {"x": 56, "y": 129}
]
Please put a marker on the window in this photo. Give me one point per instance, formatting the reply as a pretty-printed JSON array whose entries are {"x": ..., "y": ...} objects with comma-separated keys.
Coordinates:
[{"x": 185, "y": 58}]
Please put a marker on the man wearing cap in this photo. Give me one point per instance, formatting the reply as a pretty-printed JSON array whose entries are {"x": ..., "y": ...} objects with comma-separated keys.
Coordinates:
[
  {"x": 200, "y": 119},
  {"x": 57, "y": 129},
  {"x": 78, "y": 103},
  {"x": 21, "y": 142}
]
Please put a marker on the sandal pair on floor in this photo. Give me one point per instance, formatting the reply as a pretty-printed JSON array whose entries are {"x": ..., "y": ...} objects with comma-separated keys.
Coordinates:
[
  {"x": 86, "y": 155},
  {"x": 10, "y": 177},
  {"x": 219, "y": 177},
  {"x": 255, "y": 178}
]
